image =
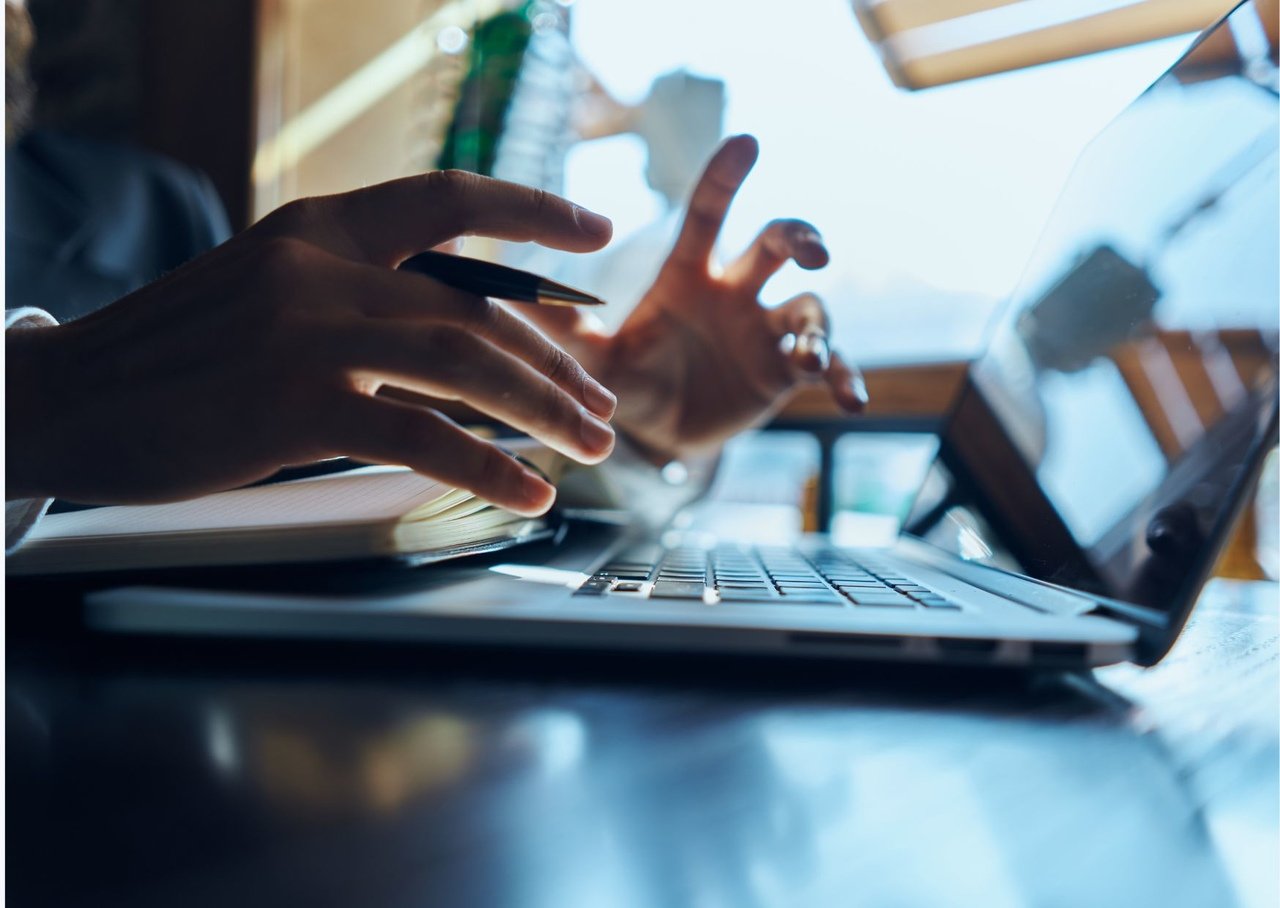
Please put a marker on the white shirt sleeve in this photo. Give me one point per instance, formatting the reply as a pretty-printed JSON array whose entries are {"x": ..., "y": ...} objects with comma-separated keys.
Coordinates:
[{"x": 21, "y": 515}]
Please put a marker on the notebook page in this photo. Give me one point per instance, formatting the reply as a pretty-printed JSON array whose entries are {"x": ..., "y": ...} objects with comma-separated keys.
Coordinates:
[{"x": 376, "y": 495}]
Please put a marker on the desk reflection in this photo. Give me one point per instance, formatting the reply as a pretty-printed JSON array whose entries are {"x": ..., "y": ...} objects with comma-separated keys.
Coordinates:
[{"x": 410, "y": 788}]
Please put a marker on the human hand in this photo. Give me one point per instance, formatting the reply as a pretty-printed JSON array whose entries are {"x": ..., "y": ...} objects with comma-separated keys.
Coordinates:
[
  {"x": 269, "y": 350},
  {"x": 699, "y": 359}
]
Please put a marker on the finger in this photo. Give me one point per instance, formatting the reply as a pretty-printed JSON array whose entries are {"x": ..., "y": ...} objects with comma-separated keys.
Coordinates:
[
  {"x": 406, "y": 296},
  {"x": 453, "y": 364},
  {"x": 801, "y": 323},
  {"x": 384, "y": 431},
  {"x": 709, "y": 203},
  {"x": 562, "y": 323},
  {"x": 847, "y": 384},
  {"x": 397, "y": 219},
  {"x": 779, "y": 242}
]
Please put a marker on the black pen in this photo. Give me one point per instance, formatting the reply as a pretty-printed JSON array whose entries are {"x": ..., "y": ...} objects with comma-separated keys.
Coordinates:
[{"x": 487, "y": 279}]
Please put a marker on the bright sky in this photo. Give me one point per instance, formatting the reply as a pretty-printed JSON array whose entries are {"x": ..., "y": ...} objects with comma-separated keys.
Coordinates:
[{"x": 948, "y": 187}]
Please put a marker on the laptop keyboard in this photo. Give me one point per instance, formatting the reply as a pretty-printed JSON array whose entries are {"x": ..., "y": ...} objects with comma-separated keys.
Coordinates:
[{"x": 763, "y": 575}]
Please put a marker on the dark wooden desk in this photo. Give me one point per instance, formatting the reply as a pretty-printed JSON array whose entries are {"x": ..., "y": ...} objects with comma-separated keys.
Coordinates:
[{"x": 248, "y": 776}]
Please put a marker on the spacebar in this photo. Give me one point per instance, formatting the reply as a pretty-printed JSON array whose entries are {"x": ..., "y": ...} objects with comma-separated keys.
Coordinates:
[{"x": 675, "y": 589}]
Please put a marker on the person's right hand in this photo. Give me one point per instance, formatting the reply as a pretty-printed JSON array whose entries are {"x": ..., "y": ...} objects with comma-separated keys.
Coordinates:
[{"x": 268, "y": 351}]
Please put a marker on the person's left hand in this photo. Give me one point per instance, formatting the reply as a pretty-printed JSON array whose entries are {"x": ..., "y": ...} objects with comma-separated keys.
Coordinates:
[{"x": 700, "y": 359}]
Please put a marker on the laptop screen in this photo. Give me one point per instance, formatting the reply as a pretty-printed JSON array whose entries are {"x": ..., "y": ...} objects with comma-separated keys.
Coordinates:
[{"x": 1128, "y": 384}]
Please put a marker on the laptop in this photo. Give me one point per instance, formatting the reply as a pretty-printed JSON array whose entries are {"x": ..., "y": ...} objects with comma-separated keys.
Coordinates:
[{"x": 1086, "y": 480}]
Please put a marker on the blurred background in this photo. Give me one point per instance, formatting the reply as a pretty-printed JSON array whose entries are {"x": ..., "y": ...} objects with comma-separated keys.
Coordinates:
[{"x": 928, "y": 141}]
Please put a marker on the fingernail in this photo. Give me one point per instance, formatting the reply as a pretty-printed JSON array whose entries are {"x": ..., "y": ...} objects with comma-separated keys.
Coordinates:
[
  {"x": 858, "y": 385},
  {"x": 591, "y": 222},
  {"x": 599, "y": 399},
  {"x": 787, "y": 344},
  {"x": 537, "y": 492},
  {"x": 812, "y": 253},
  {"x": 596, "y": 435}
]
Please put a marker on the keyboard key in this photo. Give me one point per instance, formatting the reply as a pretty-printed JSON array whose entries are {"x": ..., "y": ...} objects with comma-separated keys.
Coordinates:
[
  {"x": 593, "y": 588},
  {"x": 749, "y": 596},
  {"x": 883, "y": 602},
  {"x": 612, "y": 575},
  {"x": 940, "y": 605},
  {"x": 672, "y": 589},
  {"x": 643, "y": 555},
  {"x": 812, "y": 597},
  {"x": 874, "y": 595}
]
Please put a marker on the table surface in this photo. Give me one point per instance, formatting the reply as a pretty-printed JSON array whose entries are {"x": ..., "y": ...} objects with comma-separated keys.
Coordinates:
[{"x": 232, "y": 774}]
